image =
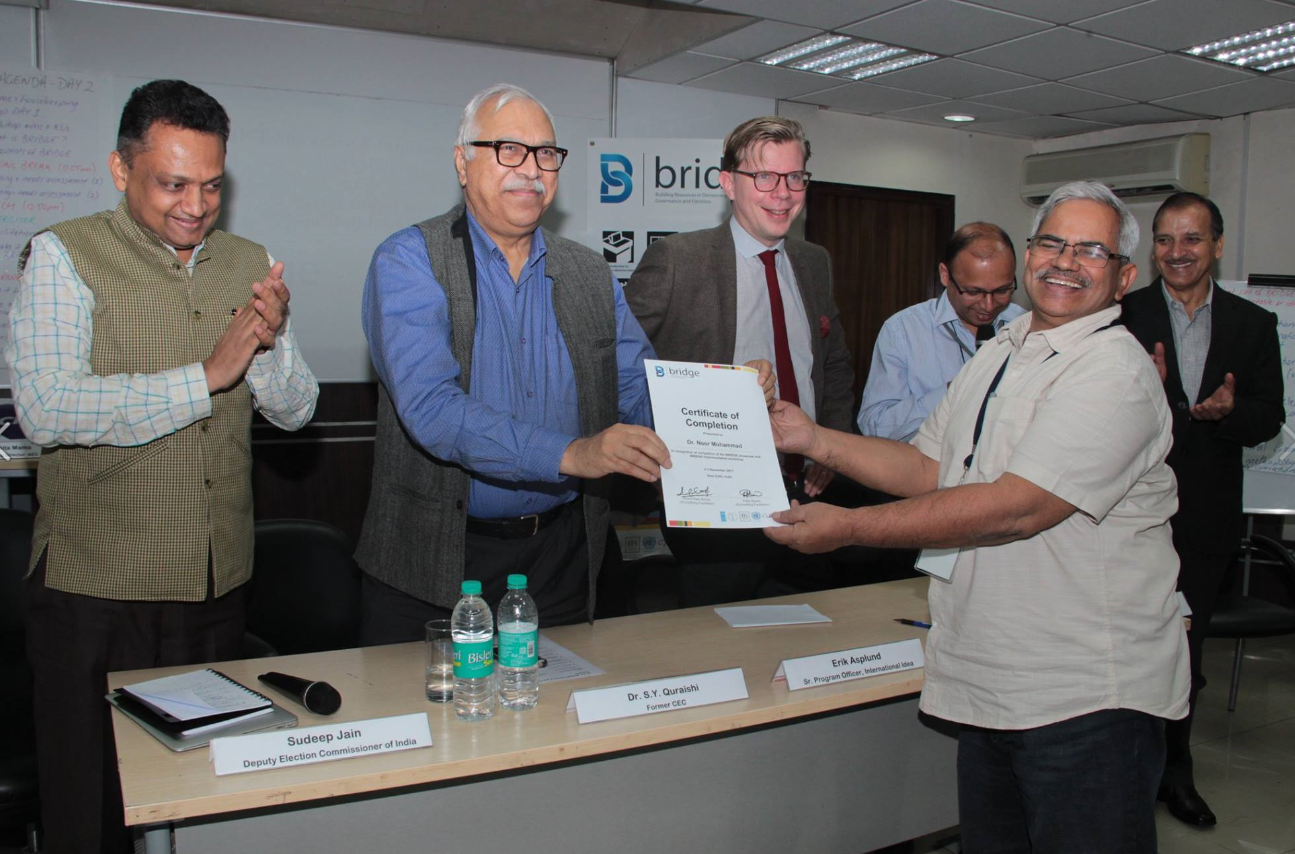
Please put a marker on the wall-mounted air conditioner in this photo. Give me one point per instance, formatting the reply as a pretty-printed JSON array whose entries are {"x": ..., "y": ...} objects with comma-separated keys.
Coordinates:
[{"x": 1142, "y": 169}]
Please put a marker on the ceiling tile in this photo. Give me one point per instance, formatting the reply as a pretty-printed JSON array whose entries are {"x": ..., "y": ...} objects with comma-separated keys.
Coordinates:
[
  {"x": 823, "y": 14},
  {"x": 1288, "y": 74},
  {"x": 1057, "y": 11},
  {"x": 1261, "y": 93},
  {"x": 944, "y": 27},
  {"x": 1160, "y": 77},
  {"x": 1042, "y": 127},
  {"x": 1051, "y": 99},
  {"x": 1134, "y": 114},
  {"x": 756, "y": 40},
  {"x": 752, "y": 78},
  {"x": 1176, "y": 24},
  {"x": 935, "y": 113},
  {"x": 1058, "y": 53},
  {"x": 681, "y": 67},
  {"x": 953, "y": 78},
  {"x": 867, "y": 98}
]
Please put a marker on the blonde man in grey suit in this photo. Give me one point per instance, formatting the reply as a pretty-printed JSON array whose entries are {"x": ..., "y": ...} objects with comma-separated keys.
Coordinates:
[{"x": 744, "y": 291}]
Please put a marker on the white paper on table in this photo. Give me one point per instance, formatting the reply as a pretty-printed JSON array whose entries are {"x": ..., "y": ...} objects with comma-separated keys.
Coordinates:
[
  {"x": 725, "y": 471},
  {"x": 749, "y": 616},
  {"x": 561, "y": 663}
]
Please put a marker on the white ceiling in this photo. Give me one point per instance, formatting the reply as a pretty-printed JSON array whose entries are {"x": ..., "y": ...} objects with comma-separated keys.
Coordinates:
[{"x": 1024, "y": 68}]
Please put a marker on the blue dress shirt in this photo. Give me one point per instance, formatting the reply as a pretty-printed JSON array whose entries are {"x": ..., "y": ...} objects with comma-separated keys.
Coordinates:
[
  {"x": 918, "y": 353},
  {"x": 511, "y": 429}
]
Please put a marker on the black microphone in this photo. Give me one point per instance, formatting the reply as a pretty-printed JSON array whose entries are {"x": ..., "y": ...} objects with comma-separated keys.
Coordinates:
[
  {"x": 984, "y": 333},
  {"x": 319, "y": 698}
]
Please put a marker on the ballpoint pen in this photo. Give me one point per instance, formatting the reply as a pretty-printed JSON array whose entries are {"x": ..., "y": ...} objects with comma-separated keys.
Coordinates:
[{"x": 918, "y": 623}]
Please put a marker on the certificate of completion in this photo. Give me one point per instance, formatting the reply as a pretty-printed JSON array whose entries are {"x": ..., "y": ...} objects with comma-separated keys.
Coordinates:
[{"x": 725, "y": 470}]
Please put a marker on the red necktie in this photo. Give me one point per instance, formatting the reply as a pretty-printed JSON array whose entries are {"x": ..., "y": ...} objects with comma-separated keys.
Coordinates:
[{"x": 791, "y": 463}]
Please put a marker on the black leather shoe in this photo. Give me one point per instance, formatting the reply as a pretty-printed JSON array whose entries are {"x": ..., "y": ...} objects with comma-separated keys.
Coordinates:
[{"x": 1187, "y": 805}]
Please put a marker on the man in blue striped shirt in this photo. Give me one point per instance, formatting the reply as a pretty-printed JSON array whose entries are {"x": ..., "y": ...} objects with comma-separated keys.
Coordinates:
[
  {"x": 921, "y": 349},
  {"x": 512, "y": 384}
]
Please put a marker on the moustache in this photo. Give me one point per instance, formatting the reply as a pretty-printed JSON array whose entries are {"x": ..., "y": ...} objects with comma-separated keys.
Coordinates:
[
  {"x": 535, "y": 185},
  {"x": 1068, "y": 275}
]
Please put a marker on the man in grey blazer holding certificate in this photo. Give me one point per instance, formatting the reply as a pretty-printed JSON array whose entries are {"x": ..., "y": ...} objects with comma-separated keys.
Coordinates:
[{"x": 744, "y": 291}]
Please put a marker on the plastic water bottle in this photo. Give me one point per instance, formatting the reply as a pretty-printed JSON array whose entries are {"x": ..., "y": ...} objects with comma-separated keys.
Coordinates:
[
  {"x": 519, "y": 640},
  {"x": 473, "y": 634}
]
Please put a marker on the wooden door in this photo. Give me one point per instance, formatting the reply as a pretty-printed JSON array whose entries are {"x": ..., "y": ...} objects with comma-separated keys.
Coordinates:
[{"x": 886, "y": 246}]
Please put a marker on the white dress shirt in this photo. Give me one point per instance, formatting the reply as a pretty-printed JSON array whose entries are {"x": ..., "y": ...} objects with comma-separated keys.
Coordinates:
[{"x": 754, "y": 321}]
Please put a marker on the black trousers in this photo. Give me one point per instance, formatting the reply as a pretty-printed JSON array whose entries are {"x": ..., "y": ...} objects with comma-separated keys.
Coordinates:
[
  {"x": 1200, "y": 576},
  {"x": 555, "y": 562},
  {"x": 73, "y": 641},
  {"x": 1086, "y": 785}
]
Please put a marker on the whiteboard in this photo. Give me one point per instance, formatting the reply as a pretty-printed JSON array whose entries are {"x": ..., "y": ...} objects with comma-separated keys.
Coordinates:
[
  {"x": 50, "y": 163},
  {"x": 1270, "y": 468},
  {"x": 339, "y": 137}
]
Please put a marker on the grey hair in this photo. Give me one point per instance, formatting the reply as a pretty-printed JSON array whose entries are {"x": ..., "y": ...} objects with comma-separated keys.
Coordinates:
[
  {"x": 1092, "y": 191},
  {"x": 503, "y": 93}
]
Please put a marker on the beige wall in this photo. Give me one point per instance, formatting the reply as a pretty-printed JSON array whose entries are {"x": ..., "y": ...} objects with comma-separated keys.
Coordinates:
[
  {"x": 1252, "y": 174},
  {"x": 981, "y": 171},
  {"x": 1270, "y": 194}
]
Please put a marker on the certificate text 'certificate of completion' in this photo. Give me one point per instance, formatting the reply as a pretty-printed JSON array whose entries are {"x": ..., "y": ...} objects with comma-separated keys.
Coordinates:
[{"x": 724, "y": 467}]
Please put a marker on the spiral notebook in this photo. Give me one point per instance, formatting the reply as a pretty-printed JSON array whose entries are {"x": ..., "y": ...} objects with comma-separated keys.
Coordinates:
[
  {"x": 189, "y": 709},
  {"x": 197, "y": 695}
]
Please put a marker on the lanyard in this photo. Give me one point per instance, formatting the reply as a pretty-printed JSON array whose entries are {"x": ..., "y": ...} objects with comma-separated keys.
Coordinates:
[
  {"x": 980, "y": 418},
  {"x": 993, "y": 386},
  {"x": 966, "y": 354}
]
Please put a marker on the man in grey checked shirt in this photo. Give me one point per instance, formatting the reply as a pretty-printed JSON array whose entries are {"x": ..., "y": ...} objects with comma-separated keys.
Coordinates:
[{"x": 140, "y": 341}]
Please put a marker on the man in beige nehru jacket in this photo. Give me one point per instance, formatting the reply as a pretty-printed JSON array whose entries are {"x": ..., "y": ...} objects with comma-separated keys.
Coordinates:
[{"x": 140, "y": 341}]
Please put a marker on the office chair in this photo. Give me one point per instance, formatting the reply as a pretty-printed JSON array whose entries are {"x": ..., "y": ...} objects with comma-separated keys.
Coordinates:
[
  {"x": 305, "y": 590},
  {"x": 19, "y": 798},
  {"x": 1240, "y": 615}
]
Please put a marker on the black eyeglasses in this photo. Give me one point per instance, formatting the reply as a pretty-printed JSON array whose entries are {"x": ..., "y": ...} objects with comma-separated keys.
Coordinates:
[
  {"x": 512, "y": 154},
  {"x": 1093, "y": 255},
  {"x": 767, "y": 182},
  {"x": 977, "y": 293}
]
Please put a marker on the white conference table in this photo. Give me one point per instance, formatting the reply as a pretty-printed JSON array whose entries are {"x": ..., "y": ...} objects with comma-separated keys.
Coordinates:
[{"x": 846, "y": 767}]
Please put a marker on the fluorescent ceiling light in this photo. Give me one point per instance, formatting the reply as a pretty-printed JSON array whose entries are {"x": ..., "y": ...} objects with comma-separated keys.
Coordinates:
[
  {"x": 892, "y": 65},
  {"x": 843, "y": 56},
  {"x": 1261, "y": 50},
  {"x": 831, "y": 61},
  {"x": 959, "y": 117},
  {"x": 875, "y": 55},
  {"x": 804, "y": 48}
]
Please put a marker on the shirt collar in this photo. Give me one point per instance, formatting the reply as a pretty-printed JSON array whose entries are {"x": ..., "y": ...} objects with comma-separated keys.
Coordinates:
[
  {"x": 1175, "y": 305},
  {"x": 122, "y": 215},
  {"x": 748, "y": 246},
  {"x": 482, "y": 243},
  {"x": 1065, "y": 335},
  {"x": 944, "y": 312},
  {"x": 193, "y": 259}
]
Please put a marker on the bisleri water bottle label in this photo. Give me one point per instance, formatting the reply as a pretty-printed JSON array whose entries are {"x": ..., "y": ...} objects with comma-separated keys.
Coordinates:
[
  {"x": 519, "y": 649},
  {"x": 474, "y": 660}
]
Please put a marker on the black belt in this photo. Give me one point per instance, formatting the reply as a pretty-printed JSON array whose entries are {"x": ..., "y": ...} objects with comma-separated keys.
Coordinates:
[{"x": 516, "y": 527}]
